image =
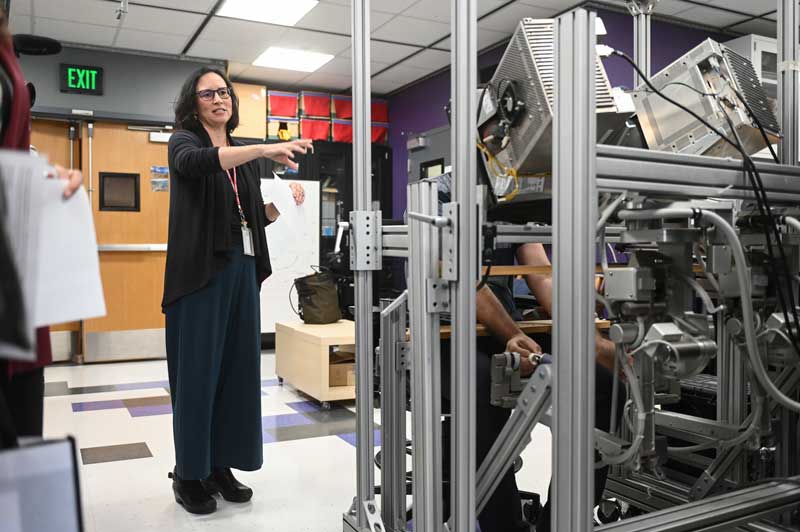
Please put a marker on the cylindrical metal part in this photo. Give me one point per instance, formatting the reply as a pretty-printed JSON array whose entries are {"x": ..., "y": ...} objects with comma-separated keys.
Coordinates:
[{"x": 623, "y": 333}]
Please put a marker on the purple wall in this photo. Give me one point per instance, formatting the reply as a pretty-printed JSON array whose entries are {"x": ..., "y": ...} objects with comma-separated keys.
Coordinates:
[{"x": 421, "y": 107}]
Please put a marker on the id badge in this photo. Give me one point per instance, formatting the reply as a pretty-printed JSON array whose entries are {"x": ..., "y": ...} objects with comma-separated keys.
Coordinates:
[{"x": 247, "y": 241}]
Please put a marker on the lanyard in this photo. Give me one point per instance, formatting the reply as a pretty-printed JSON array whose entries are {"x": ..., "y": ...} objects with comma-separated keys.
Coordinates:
[{"x": 234, "y": 184}]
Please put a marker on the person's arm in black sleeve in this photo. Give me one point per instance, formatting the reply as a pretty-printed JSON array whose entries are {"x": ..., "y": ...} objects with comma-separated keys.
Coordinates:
[{"x": 190, "y": 158}]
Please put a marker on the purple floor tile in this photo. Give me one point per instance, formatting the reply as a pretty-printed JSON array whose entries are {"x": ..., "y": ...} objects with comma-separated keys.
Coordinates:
[
  {"x": 284, "y": 420},
  {"x": 304, "y": 406},
  {"x": 351, "y": 438},
  {"x": 154, "y": 410},
  {"x": 269, "y": 382},
  {"x": 97, "y": 405}
]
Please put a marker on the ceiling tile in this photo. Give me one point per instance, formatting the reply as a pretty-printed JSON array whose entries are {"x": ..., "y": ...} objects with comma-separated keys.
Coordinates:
[
  {"x": 759, "y": 27},
  {"x": 664, "y": 7},
  {"x": 710, "y": 16},
  {"x": 507, "y": 19},
  {"x": 485, "y": 38},
  {"x": 161, "y": 20},
  {"x": 382, "y": 52},
  {"x": 384, "y": 86},
  {"x": 269, "y": 76},
  {"x": 753, "y": 7},
  {"x": 323, "y": 81},
  {"x": 558, "y": 5},
  {"x": 336, "y": 18},
  {"x": 403, "y": 73},
  {"x": 96, "y": 12},
  {"x": 203, "y": 6},
  {"x": 342, "y": 66},
  {"x": 20, "y": 24},
  {"x": 231, "y": 51},
  {"x": 312, "y": 41},
  {"x": 412, "y": 31},
  {"x": 20, "y": 7},
  {"x": 392, "y": 6},
  {"x": 485, "y": 6},
  {"x": 244, "y": 31},
  {"x": 436, "y": 10},
  {"x": 429, "y": 59},
  {"x": 147, "y": 41},
  {"x": 234, "y": 69},
  {"x": 72, "y": 32}
]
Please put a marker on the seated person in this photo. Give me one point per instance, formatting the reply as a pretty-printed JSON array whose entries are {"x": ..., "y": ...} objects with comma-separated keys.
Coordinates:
[{"x": 496, "y": 310}]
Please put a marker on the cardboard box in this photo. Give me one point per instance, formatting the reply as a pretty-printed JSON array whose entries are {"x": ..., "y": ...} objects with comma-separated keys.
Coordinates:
[
  {"x": 342, "y": 374},
  {"x": 277, "y": 123}
]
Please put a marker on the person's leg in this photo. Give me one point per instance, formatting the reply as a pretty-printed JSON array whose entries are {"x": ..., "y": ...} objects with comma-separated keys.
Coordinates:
[
  {"x": 503, "y": 511},
  {"x": 604, "y": 380},
  {"x": 25, "y": 394},
  {"x": 195, "y": 336},
  {"x": 236, "y": 434},
  {"x": 8, "y": 435}
]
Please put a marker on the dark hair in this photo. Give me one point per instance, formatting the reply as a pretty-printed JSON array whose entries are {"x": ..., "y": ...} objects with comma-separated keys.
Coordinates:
[{"x": 186, "y": 106}]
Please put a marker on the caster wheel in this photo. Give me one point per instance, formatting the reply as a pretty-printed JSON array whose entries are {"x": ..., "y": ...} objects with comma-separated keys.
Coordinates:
[
  {"x": 280, "y": 381},
  {"x": 326, "y": 405},
  {"x": 609, "y": 511}
]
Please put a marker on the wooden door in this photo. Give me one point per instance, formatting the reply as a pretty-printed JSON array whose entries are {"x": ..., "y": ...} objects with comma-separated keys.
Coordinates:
[
  {"x": 51, "y": 138},
  {"x": 133, "y": 280}
]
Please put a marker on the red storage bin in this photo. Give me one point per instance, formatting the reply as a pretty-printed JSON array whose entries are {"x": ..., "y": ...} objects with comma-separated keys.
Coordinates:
[
  {"x": 380, "y": 111},
  {"x": 380, "y": 133},
  {"x": 315, "y": 129},
  {"x": 342, "y": 107},
  {"x": 317, "y": 104},
  {"x": 282, "y": 104},
  {"x": 342, "y": 131}
]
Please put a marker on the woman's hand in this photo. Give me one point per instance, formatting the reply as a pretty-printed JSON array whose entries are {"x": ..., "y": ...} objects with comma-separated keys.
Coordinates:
[
  {"x": 283, "y": 152},
  {"x": 73, "y": 178},
  {"x": 298, "y": 192}
]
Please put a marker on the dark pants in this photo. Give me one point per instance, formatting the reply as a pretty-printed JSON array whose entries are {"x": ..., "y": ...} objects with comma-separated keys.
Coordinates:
[
  {"x": 24, "y": 401},
  {"x": 604, "y": 382},
  {"x": 214, "y": 358},
  {"x": 503, "y": 511}
]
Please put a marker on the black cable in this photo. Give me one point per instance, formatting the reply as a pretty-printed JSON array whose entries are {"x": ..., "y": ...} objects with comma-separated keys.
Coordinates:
[{"x": 752, "y": 172}]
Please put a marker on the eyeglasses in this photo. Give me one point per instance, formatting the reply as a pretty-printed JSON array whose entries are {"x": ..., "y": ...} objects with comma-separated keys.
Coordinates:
[{"x": 207, "y": 95}]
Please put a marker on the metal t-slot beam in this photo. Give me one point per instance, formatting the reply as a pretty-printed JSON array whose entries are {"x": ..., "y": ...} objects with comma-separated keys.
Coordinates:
[
  {"x": 463, "y": 80},
  {"x": 362, "y": 187},
  {"x": 641, "y": 11},
  {"x": 789, "y": 80},
  {"x": 720, "y": 513},
  {"x": 575, "y": 218},
  {"x": 532, "y": 403},
  {"x": 393, "y": 412},
  {"x": 426, "y": 407}
]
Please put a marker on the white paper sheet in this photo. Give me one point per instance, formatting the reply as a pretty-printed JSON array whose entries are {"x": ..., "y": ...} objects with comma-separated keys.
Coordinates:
[
  {"x": 68, "y": 286},
  {"x": 53, "y": 243},
  {"x": 280, "y": 194}
]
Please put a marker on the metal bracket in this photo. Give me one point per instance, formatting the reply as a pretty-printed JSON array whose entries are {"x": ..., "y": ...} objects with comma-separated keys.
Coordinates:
[
  {"x": 450, "y": 243},
  {"x": 783, "y": 66},
  {"x": 437, "y": 296},
  {"x": 365, "y": 241},
  {"x": 641, "y": 7},
  {"x": 403, "y": 356},
  {"x": 373, "y": 517}
]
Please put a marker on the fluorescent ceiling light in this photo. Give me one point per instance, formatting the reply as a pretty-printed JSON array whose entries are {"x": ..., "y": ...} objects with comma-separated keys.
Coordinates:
[
  {"x": 285, "y": 13},
  {"x": 288, "y": 59}
]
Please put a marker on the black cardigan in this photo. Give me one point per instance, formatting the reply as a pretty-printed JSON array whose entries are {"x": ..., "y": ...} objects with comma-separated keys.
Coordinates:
[{"x": 201, "y": 215}]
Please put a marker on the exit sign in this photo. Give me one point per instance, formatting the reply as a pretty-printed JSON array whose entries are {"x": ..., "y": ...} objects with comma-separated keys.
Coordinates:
[{"x": 82, "y": 79}]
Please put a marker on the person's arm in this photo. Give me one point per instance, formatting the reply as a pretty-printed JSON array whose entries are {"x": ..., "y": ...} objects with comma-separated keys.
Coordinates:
[
  {"x": 492, "y": 315},
  {"x": 281, "y": 152},
  {"x": 541, "y": 286}
]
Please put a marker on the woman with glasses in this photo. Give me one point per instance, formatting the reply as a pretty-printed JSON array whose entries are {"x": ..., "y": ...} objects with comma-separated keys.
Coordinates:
[{"x": 217, "y": 257}]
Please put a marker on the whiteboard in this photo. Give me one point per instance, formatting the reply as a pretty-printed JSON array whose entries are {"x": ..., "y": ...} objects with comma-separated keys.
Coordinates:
[{"x": 293, "y": 241}]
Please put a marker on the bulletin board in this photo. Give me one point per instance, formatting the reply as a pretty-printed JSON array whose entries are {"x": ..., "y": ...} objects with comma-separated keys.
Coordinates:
[{"x": 293, "y": 241}]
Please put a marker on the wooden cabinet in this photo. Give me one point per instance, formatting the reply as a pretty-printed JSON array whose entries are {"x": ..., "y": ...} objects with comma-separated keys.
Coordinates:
[{"x": 252, "y": 111}]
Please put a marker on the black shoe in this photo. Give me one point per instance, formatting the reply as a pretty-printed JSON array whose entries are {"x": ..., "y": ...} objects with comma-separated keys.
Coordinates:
[
  {"x": 223, "y": 482},
  {"x": 192, "y": 496}
]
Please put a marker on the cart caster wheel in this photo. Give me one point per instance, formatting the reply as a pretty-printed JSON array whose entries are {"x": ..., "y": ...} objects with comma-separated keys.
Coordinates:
[
  {"x": 280, "y": 381},
  {"x": 609, "y": 511},
  {"x": 326, "y": 405}
]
